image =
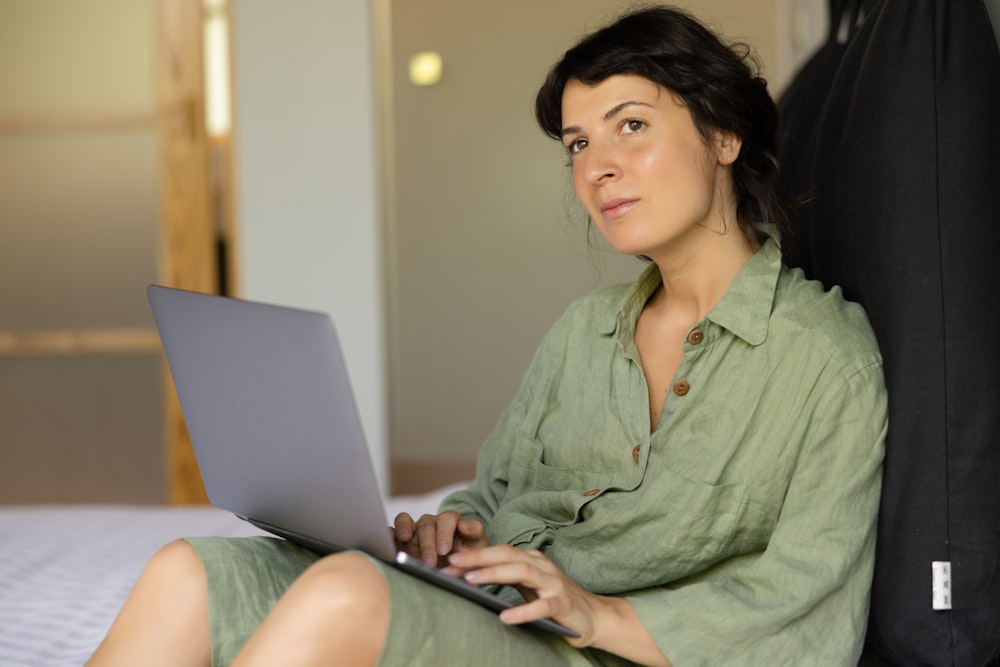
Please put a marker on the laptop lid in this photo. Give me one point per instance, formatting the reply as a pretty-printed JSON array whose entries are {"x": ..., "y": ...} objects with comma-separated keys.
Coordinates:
[{"x": 271, "y": 414}]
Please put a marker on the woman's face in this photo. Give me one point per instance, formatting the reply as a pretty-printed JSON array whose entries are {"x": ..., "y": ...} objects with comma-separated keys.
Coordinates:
[{"x": 647, "y": 177}]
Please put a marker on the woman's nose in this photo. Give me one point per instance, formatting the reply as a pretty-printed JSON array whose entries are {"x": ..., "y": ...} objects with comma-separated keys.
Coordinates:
[{"x": 601, "y": 164}]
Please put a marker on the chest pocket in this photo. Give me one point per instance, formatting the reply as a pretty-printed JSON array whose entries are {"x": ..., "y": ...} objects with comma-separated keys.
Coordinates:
[
  {"x": 669, "y": 528},
  {"x": 695, "y": 523}
]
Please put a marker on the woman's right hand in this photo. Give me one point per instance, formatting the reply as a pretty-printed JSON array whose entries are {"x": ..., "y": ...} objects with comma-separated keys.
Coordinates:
[{"x": 432, "y": 537}]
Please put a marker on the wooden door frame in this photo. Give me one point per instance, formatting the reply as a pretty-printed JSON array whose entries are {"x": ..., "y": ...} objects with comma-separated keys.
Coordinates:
[{"x": 189, "y": 237}]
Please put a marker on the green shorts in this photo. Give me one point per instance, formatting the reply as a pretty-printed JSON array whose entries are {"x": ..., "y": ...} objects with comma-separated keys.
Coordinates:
[{"x": 428, "y": 626}]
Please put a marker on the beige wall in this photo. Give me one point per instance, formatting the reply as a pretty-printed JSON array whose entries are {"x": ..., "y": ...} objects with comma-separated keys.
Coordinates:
[
  {"x": 486, "y": 245},
  {"x": 307, "y": 177}
]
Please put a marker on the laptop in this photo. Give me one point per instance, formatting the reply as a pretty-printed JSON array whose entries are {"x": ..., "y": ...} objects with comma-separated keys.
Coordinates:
[{"x": 276, "y": 432}]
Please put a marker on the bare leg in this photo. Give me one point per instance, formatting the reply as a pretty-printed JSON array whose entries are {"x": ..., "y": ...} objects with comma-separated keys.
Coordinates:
[
  {"x": 336, "y": 613},
  {"x": 164, "y": 621}
]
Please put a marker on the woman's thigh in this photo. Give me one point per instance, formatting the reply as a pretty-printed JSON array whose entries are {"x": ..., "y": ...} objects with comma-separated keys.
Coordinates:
[
  {"x": 427, "y": 626},
  {"x": 246, "y": 577}
]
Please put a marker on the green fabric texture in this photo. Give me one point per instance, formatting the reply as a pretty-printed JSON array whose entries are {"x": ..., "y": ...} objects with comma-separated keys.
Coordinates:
[
  {"x": 428, "y": 626},
  {"x": 246, "y": 576},
  {"x": 743, "y": 528}
]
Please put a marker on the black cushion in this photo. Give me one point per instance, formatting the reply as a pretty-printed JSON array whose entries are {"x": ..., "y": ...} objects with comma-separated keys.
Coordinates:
[
  {"x": 905, "y": 217},
  {"x": 800, "y": 109}
]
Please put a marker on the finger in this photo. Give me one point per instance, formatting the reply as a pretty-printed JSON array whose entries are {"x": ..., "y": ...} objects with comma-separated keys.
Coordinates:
[
  {"x": 427, "y": 535},
  {"x": 508, "y": 573},
  {"x": 400, "y": 545},
  {"x": 447, "y": 524},
  {"x": 530, "y": 611},
  {"x": 472, "y": 531},
  {"x": 457, "y": 572},
  {"x": 404, "y": 527},
  {"x": 525, "y": 569},
  {"x": 559, "y": 609},
  {"x": 495, "y": 555}
]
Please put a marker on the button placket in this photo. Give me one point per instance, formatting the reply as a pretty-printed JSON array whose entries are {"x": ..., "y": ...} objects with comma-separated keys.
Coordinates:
[{"x": 695, "y": 337}]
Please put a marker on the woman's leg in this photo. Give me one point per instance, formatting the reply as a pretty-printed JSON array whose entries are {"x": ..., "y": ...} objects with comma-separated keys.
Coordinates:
[
  {"x": 274, "y": 603},
  {"x": 164, "y": 621},
  {"x": 336, "y": 612}
]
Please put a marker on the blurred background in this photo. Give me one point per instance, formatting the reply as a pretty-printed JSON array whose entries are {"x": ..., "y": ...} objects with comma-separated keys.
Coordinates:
[{"x": 307, "y": 153}]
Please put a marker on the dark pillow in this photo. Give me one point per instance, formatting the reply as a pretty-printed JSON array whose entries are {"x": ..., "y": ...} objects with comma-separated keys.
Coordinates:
[
  {"x": 906, "y": 219},
  {"x": 800, "y": 109}
]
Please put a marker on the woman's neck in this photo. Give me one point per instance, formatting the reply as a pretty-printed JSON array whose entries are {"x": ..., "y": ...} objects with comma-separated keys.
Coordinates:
[{"x": 697, "y": 275}]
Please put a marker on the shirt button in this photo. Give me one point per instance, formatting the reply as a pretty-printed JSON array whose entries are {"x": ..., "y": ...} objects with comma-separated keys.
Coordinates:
[
  {"x": 592, "y": 492},
  {"x": 696, "y": 336},
  {"x": 635, "y": 453},
  {"x": 681, "y": 388}
]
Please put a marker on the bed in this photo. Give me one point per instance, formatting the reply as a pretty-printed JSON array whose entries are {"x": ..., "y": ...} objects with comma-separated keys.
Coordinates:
[{"x": 65, "y": 570}]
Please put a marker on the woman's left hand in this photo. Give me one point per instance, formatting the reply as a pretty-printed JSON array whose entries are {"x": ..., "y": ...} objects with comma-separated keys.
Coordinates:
[{"x": 548, "y": 592}]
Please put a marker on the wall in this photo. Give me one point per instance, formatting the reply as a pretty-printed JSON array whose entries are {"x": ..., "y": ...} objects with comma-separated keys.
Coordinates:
[
  {"x": 306, "y": 177},
  {"x": 78, "y": 235}
]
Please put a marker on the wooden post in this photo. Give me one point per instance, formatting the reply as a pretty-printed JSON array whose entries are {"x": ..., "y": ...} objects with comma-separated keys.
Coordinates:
[{"x": 188, "y": 255}]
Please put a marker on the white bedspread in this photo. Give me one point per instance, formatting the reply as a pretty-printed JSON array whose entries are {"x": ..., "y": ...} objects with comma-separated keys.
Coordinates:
[{"x": 65, "y": 570}]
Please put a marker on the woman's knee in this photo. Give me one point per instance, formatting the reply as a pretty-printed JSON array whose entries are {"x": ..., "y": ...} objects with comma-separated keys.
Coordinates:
[
  {"x": 174, "y": 577},
  {"x": 348, "y": 582},
  {"x": 176, "y": 561},
  {"x": 341, "y": 597},
  {"x": 164, "y": 615},
  {"x": 336, "y": 612}
]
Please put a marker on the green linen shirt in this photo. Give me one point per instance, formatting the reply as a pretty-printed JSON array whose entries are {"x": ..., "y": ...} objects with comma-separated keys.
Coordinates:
[{"x": 742, "y": 530}]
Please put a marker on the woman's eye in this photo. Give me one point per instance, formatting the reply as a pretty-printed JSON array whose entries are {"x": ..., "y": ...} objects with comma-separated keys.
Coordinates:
[
  {"x": 633, "y": 125},
  {"x": 576, "y": 146}
]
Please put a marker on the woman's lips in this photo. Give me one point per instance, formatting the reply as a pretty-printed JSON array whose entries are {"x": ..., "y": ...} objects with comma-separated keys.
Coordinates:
[{"x": 616, "y": 208}]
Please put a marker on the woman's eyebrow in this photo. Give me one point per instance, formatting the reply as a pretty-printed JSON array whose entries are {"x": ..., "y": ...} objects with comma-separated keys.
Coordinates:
[
  {"x": 617, "y": 109},
  {"x": 614, "y": 111}
]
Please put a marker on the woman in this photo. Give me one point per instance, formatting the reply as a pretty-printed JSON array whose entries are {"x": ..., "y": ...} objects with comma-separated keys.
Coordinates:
[{"x": 690, "y": 471}]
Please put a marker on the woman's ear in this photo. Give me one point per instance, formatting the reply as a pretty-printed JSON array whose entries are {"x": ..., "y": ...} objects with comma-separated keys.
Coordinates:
[{"x": 727, "y": 147}]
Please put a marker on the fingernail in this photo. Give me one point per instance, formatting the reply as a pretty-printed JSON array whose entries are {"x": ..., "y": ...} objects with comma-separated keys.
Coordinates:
[
  {"x": 457, "y": 558},
  {"x": 443, "y": 548},
  {"x": 473, "y": 576}
]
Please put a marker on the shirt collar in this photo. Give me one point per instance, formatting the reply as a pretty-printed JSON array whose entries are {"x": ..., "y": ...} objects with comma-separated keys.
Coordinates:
[{"x": 744, "y": 310}]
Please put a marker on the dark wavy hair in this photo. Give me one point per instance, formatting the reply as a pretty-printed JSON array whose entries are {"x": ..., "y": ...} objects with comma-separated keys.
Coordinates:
[{"x": 719, "y": 84}]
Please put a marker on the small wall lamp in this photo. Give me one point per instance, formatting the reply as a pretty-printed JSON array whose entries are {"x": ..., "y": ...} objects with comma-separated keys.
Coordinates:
[{"x": 425, "y": 68}]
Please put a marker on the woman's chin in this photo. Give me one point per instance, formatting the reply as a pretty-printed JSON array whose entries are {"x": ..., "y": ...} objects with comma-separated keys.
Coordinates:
[{"x": 630, "y": 247}]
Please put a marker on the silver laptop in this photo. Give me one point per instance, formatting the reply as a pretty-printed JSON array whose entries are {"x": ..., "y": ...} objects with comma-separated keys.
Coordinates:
[{"x": 276, "y": 432}]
